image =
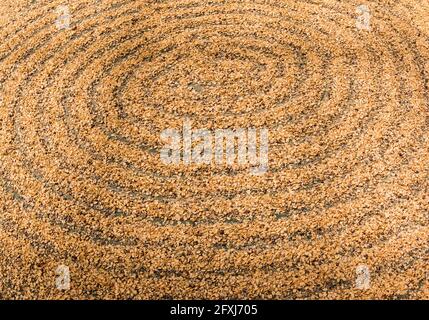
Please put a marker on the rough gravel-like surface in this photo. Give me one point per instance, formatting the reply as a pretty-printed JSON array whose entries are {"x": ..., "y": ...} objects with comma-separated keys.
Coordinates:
[{"x": 82, "y": 184}]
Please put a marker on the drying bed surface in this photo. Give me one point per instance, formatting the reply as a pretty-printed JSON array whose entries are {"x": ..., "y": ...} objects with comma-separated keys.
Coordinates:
[{"x": 82, "y": 184}]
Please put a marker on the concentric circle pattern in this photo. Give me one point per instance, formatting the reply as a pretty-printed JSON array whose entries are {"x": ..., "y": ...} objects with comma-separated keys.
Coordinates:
[{"x": 82, "y": 184}]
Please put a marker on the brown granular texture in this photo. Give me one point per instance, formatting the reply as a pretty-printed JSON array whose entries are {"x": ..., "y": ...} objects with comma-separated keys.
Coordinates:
[{"x": 82, "y": 184}]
